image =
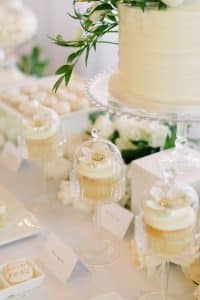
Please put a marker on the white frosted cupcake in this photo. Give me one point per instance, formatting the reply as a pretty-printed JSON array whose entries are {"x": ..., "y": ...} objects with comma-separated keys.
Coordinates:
[
  {"x": 170, "y": 219},
  {"x": 41, "y": 134},
  {"x": 99, "y": 170},
  {"x": 3, "y": 213}
]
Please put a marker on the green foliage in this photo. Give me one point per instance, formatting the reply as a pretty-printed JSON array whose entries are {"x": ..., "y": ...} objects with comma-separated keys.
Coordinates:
[
  {"x": 141, "y": 147},
  {"x": 129, "y": 155},
  {"x": 115, "y": 135},
  {"x": 32, "y": 64},
  {"x": 170, "y": 140},
  {"x": 93, "y": 116},
  {"x": 100, "y": 18}
]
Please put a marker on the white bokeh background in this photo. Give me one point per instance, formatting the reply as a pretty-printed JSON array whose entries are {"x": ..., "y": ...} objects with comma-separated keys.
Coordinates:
[{"x": 53, "y": 19}]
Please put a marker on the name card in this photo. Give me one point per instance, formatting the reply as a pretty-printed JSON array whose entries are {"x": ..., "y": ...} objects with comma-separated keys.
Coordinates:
[
  {"x": 116, "y": 219},
  {"x": 58, "y": 258},
  {"x": 109, "y": 296},
  {"x": 10, "y": 157}
]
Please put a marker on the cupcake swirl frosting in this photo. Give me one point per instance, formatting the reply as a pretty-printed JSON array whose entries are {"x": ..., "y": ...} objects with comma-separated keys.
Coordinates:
[
  {"x": 44, "y": 124},
  {"x": 173, "y": 210},
  {"x": 98, "y": 162}
]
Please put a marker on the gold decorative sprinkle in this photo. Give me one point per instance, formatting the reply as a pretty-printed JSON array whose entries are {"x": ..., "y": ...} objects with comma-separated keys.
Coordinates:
[
  {"x": 164, "y": 203},
  {"x": 98, "y": 156}
]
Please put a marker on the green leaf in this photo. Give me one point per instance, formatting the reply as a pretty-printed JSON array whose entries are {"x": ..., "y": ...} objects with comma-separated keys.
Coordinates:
[
  {"x": 87, "y": 55},
  {"x": 68, "y": 74},
  {"x": 58, "y": 83},
  {"x": 115, "y": 135},
  {"x": 31, "y": 64},
  {"x": 93, "y": 116},
  {"x": 170, "y": 140},
  {"x": 129, "y": 155},
  {"x": 62, "y": 69},
  {"x": 73, "y": 56}
]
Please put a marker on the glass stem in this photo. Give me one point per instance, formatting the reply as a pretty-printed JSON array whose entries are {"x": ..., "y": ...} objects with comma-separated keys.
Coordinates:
[
  {"x": 181, "y": 135},
  {"x": 165, "y": 279}
]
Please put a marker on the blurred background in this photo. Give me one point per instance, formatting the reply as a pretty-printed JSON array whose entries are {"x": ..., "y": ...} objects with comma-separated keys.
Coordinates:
[{"x": 53, "y": 19}]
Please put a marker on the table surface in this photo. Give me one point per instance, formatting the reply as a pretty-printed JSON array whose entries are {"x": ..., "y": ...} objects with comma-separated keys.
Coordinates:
[{"x": 72, "y": 227}]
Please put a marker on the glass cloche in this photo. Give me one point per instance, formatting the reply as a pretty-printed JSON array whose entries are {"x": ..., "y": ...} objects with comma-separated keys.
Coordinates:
[
  {"x": 17, "y": 26},
  {"x": 99, "y": 170}
]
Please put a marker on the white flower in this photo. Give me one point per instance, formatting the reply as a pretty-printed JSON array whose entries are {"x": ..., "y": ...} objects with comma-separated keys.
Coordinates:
[
  {"x": 158, "y": 134},
  {"x": 58, "y": 169},
  {"x": 157, "y": 193},
  {"x": 122, "y": 125},
  {"x": 197, "y": 293},
  {"x": 104, "y": 125},
  {"x": 93, "y": 154},
  {"x": 64, "y": 193},
  {"x": 124, "y": 143},
  {"x": 173, "y": 3}
]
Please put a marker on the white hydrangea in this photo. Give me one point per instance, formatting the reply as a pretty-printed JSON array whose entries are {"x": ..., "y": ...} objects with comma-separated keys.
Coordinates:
[
  {"x": 123, "y": 125},
  {"x": 104, "y": 125},
  {"x": 159, "y": 134},
  {"x": 124, "y": 143}
]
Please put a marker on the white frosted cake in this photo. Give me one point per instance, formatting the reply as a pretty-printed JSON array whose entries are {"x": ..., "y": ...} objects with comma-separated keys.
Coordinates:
[{"x": 159, "y": 58}]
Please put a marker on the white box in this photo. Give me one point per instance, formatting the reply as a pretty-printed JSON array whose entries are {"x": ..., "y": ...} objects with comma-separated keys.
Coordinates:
[
  {"x": 7, "y": 290},
  {"x": 146, "y": 171}
]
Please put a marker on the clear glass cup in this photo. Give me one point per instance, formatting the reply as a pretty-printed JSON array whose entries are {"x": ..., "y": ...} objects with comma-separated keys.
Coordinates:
[
  {"x": 40, "y": 140},
  {"x": 98, "y": 177}
]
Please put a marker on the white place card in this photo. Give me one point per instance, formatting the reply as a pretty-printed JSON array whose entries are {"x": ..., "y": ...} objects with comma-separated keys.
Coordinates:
[
  {"x": 11, "y": 157},
  {"x": 116, "y": 219},
  {"x": 109, "y": 296},
  {"x": 58, "y": 258}
]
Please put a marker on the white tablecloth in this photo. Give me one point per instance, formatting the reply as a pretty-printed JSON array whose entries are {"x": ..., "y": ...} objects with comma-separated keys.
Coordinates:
[{"x": 72, "y": 226}]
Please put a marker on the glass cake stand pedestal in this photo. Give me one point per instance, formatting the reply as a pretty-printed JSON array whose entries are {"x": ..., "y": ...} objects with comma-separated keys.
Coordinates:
[{"x": 181, "y": 158}]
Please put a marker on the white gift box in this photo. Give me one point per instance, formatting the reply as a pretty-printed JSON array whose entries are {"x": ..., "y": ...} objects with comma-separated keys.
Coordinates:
[
  {"x": 145, "y": 172},
  {"x": 7, "y": 290}
]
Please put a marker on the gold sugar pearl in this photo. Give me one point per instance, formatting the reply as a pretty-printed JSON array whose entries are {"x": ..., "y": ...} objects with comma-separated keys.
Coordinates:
[
  {"x": 98, "y": 156},
  {"x": 164, "y": 203}
]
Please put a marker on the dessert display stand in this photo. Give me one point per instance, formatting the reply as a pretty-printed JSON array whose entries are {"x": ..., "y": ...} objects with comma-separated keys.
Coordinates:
[{"x": 180, "y": 161}]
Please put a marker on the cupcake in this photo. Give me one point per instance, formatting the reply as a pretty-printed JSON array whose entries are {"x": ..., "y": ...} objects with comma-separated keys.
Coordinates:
[
  {"x": 99, "y": 170},
  {"x": 3, "y": 213},
  {"x": 18, "y": 272},
  {"x": 41, "y": 134},
  {"x": 170, "y": 219}
]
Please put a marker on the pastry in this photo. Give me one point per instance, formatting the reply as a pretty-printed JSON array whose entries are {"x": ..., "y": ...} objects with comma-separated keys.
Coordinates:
[
  {"x": 18, "y": 272},
  {"x": 41, "y": 134},
  {"x": 98, "y": 171},
  {"x": 170, "y": 220}
]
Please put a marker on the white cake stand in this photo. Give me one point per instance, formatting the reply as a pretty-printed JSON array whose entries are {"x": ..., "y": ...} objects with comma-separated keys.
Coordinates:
[{"x": 181, "y": 158}]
